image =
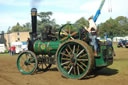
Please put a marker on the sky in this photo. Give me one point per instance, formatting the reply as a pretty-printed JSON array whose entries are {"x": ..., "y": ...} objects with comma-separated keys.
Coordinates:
[{"x": 13, "y": 11}]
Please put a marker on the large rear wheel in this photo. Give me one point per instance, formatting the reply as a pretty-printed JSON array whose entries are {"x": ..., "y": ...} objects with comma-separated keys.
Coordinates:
[{"x": 74, "y": 59}]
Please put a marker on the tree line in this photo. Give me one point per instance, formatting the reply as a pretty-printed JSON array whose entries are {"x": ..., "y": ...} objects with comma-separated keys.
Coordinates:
[{"x": 112, "y": 27}]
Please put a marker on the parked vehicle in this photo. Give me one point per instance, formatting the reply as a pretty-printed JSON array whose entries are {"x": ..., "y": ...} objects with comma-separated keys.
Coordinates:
[
  {"x": 126, "y": 44},
  {"x": 121, "y": 43}
]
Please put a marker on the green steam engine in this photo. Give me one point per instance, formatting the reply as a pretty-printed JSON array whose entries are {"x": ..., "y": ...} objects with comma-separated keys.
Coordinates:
[{"x": 70, "y": 51}]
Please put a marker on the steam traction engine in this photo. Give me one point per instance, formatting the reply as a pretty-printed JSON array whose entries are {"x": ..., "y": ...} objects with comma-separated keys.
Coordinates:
[{"x": 71, "y": 51}]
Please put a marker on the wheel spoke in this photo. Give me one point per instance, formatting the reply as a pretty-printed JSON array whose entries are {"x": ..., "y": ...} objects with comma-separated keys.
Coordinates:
[
  {"x": 81, "y": 67},
  {"x": 25, "y": 69},
  {"x": 82, "y": 59},
  {"x": 83, "y": 55},
  {"x": 65, "y": 54},
  {"x": 73, "y": 49},
  {"x": 70, "y": 70},
  {"x": 78, "y": 70},
  {"x": 78, "y": 49},
  {"x": 72, "y": 38},
  {"x": 80, "y": 53},
  {"x": 64, "y": 38},
  {"x": 22, "y": 65},
  {"x": 74, "y": 33},
  {"x": 23, "y": 58},
  {"x": 28, "y": 68},
  {"x": 26, "y": 56},
  {"x": 65, "y": 32},
  {"x": 68, "y": 66},
  {"x": 22, "y": 61},
  {"x": 83, "y": 64},
  {"x": 68, "y": 34},
  {"x": 74, "y": 70},
  {"x": 65, "y": 59},
  {"x": 70, "y": 48},
  {"x": 32, "y": 65},
  {"x": 65, "y": 63}
]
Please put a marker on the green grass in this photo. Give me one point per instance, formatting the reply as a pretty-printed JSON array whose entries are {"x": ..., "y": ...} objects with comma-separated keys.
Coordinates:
[
  {"x": 4, "y": 54},
  {"x": 121, "y": 60},
  {"x": 7, "y": 54}
]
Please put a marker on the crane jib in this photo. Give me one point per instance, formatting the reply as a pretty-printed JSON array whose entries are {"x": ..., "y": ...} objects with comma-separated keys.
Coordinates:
[{"x": 98, "y": 11}]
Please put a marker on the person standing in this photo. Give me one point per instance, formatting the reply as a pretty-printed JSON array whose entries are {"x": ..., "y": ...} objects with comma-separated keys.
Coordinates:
[
  {"x": 13, "y": 50},
  {"x": 10, "y": 51}
]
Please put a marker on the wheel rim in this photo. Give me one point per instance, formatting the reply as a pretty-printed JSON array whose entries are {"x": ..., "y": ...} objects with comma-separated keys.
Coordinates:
[
  {"x": 42, "y": 66},
  {"x": 27, "y": 62},
  {"x": 68, "y": 32},
  {"x": 73, "y": 60}
]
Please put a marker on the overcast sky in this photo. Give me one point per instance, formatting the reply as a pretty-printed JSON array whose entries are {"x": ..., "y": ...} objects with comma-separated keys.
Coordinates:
[{"x": 13, "y": 11}]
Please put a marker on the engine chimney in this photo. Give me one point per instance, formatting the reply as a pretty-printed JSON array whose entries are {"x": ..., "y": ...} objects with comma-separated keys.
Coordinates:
[{"x": 34, "y": 22}]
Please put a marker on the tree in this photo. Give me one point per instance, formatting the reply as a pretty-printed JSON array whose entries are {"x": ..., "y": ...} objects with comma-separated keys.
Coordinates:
[
  {"x": 114, "y": 27},
  {"x": 123, "y": 25},
  {"x": 45, "y": 16},
  {"x": 45, "y": 19},
  {"x": 122, "y": 20},
  {"x": 18, "y": 28},
  {"x": 110, "y": 27},
  {"x": 27, "y": 27},
  {"x": 82, "y": 22}
]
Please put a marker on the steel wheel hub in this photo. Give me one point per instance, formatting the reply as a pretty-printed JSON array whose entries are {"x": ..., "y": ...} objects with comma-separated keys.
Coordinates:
[{"x": 73, "y": 60}]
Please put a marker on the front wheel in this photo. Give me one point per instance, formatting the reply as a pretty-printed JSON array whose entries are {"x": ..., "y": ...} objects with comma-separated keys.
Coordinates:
[
  {"x": 74, "y": 59},
  {"x": 27, "y": 62}
]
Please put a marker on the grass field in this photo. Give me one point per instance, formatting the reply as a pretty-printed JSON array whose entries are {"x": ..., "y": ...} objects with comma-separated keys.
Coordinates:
[{"x": 116, "y": 74}]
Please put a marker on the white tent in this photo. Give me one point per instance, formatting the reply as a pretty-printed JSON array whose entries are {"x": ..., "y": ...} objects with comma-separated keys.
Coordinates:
[
  {"x": 2, "y": 48},
  {"x": 117, "y": 39}
]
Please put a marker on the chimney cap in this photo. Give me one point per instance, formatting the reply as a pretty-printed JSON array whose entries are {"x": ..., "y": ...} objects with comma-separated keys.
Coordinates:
[{"x": 33, "y": 10}]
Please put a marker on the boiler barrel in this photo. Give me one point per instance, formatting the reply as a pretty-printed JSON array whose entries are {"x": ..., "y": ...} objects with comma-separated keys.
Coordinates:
[{"x": 46, "y": 47}]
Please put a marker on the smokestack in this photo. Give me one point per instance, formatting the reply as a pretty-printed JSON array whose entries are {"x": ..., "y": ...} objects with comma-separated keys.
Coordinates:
[{"x": 34, "y": 21}]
